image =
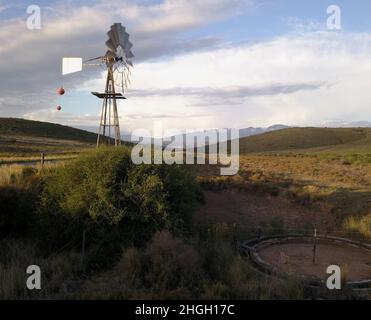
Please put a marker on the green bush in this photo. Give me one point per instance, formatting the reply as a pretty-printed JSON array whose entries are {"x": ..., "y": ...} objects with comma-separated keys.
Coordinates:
[
  {"x": 16, "y": 211},
  {"x": 18, "y": 206},
  {"x": 104, "y": 193}
]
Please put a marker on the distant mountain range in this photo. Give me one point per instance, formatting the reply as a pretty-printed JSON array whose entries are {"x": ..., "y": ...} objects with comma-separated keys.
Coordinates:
[
  {"x": 346, "y": 124},
  {"x": 19, "y": 135},
  {"x": 252, "y": 131},
  {"x": 187, "y": 138}
]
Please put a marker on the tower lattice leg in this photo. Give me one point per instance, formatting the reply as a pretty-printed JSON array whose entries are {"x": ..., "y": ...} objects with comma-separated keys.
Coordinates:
[{"x": 109, "y": 111}]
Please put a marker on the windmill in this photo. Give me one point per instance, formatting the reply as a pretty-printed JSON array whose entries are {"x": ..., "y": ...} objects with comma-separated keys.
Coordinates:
[{"x": 118, "y": 62}]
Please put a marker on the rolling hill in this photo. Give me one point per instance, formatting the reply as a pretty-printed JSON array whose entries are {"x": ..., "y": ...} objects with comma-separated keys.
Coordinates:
[
  {"x": 25, "y": 137},
  {"x": 30, "y": 128},
  {"x": 310, "y": 139},
  {"x": 19, "y": 137}
]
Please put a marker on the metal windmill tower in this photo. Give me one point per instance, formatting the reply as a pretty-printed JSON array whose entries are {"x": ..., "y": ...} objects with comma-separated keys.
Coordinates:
[{"x": 117, "y": 60}]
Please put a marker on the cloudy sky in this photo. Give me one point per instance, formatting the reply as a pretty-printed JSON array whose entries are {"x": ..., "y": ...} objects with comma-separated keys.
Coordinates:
[{"x": 199, "y": 64}]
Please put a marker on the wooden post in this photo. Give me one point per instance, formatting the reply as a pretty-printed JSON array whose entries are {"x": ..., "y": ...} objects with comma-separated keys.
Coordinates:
[
  {"x": 314, "y": 245},
  {"x": 83, "y": 251},
  {"x": 42, "y": 159}
]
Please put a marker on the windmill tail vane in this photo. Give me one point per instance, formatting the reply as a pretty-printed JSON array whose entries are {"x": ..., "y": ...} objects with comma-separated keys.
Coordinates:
[{"x": 118, "y": 61}]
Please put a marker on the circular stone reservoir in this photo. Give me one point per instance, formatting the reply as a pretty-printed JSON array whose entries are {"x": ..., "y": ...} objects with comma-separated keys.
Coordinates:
[{"x": 293, "y": 256}]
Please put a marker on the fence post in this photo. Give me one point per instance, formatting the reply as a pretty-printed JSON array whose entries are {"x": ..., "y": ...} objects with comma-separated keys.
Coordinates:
[
  {"x": 42, "y": 159},
  {"x": 314, "y": 245}
]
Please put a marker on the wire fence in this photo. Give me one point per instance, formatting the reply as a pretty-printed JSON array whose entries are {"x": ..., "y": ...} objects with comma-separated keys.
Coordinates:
[
  {"x": 243, "y": 232},
  {"x": 233, "y": 233}
]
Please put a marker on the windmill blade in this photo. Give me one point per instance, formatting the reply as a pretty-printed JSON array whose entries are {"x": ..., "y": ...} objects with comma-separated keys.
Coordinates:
[
  {"x": 122, "y": 34},
  {"x": 119, "y": 30},
  {"x": 123, "y": 82},
  {"x": 118, "y": 26},
  {"x": 112, "y": 38},
  {"x": 128, "y": 45},
  {"x": 71, "y": 65},
  {"x": 124, "y": 37},
  {"x": 111, "y": 45},
  {"x": 127, "y": 78},
  {"x": 121, "y": 53},
  {"x": 115, "y": 76},
  {"x": 112, "y": 34},
  {"x": 129, "y": 55},
  {"x": 115, "y": 32}
]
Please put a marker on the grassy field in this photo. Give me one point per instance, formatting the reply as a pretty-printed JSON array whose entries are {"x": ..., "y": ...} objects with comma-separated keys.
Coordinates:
[
  {"x": 321, "y": 176},
  {"x": 29, "y": 128},
  {"x": 309, "y": 140},
  {"x": 24, "y": 140},
  {"x": 133, "y": 255},
  {"x": 297, "y": 178},
  {"x": 290, "y": 181}
]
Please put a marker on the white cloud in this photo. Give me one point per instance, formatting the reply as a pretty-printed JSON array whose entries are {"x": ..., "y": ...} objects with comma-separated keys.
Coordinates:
[
  {"x": 30, "y": 60},
  {"x": 64, "y": 117},
  {"x": 298, "y": 79},
  {"x": 302, "y": 78},
  {"x": 177, "y": 15}
]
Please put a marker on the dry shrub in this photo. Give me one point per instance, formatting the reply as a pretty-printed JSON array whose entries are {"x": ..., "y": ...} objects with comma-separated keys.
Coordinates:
[
  {"x": 129, "y": 267},
  {"x": 265, "y": 287},
  {"x": 167, "y": 268},
  {"x": 361, "y": 225},
  {"x": 174, "y": 264},
  {"x": 214, "y": 291},
  {"x": 170, "y": 268}
]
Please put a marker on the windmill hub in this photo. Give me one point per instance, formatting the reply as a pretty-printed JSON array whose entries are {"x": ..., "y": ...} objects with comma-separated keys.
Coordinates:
[
  {"x": 110, "y": 59},
  {"x": 118, "y": 62}
]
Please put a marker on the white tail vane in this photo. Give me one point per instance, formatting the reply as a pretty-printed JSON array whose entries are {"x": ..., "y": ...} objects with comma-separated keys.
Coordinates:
[{"x": 71, "y": 65}]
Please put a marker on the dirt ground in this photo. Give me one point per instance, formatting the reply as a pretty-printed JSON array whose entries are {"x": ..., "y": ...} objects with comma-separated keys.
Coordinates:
[
  {"x": 354, "y": 262},
  {"x": 251, "y": 210}
]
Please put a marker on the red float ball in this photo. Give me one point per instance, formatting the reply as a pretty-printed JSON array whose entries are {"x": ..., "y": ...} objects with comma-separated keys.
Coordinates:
[
  {"x": 60, "y": 91},
  {"x": 59, "y": 108}
]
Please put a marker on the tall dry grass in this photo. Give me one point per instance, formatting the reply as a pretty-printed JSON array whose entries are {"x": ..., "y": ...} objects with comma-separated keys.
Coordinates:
[
  {"x": 174, "y": 268},
  {"x": 15, "y": 174},
  {"x": 361, "y": 225},
  {"x": 58, "y": 272}
]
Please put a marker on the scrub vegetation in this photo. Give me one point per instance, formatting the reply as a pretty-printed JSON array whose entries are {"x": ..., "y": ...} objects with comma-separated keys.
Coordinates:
[{"x": 168, "y": 232}]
